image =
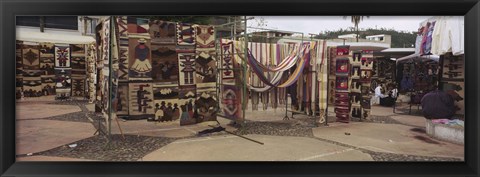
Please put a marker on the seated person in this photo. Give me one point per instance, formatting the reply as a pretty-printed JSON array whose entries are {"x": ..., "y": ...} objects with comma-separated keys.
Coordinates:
[
  {"x": 378, "y": 95},
  {"x": 391, "y": 98},
  {"x": 438, "y": 105}
]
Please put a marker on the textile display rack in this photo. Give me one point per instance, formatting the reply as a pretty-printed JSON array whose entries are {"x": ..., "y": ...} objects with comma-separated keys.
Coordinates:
[
  {"x": 228, "y": 83},
  {"x": 290, "y": 60}
]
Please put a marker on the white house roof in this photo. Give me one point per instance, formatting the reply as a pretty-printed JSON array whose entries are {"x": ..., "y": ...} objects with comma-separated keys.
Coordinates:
[
  {"x": 393, "y": 50},
  {"x": 30, "y": 34}
]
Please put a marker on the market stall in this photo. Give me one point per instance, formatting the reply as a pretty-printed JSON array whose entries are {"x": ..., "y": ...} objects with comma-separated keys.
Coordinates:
[{"x": 51, "y": 63}]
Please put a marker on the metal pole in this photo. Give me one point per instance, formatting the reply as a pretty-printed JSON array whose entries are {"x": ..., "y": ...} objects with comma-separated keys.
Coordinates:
[
  {"x": 328, "y": 85},
  {"x": 244, "y": 65},
  {"x": 240, "y": 136},
  {"x": 110, "y": 79}
]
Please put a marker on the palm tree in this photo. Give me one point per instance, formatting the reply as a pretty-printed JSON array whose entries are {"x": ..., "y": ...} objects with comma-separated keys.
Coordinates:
[{"x": 356, "y": 20}]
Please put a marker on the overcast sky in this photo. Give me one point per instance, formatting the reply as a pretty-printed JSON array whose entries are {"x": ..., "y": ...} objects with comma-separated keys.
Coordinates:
[{"x": 316, "y": 24}]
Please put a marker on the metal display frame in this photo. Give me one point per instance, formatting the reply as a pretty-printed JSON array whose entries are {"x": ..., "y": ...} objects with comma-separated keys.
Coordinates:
[{"x": 233, "y": 35}]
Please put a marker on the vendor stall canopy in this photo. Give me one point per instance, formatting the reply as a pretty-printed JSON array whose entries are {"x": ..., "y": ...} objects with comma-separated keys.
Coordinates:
[{"x": 52, "y": 36}]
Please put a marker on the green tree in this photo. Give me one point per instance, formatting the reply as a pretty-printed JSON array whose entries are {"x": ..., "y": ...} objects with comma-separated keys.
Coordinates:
[{"x": 356, "y": 20}]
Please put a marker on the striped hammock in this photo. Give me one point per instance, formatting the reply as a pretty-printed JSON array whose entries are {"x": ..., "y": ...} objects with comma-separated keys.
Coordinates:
[
  {"x": 285, "y": 65},
  {"x": 255, "y": 66}
]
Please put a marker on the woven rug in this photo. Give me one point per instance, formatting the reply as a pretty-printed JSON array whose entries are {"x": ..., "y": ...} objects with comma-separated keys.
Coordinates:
[
  {"x": 48, "y": 84},
  {"x": 165, "y": 66},
  {"x": 140, "y": 67},
  {"x": 162, "y": 32},
  {"x": 140, "y": 101},
  {"x": 32, "y": 83},
  {"x": 31, "y": 57},
  {"x": 77, "y": 49},
  {"x": 185, "y": 34},
  {"x": 122, "y": 102},
  {"x": 137, "y": 25},
  {"x": 62, "y": 56},
  {"x": 186, "y": 63},
  {"x": 231, "y": 100}
]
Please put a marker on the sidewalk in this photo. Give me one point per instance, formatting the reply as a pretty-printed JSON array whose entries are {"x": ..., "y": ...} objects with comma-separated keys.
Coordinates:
[{"x": 401, "y": 138}]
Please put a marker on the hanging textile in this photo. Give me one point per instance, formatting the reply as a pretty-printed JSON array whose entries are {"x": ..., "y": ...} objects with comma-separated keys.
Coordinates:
[{"x": 294, "y": 76}]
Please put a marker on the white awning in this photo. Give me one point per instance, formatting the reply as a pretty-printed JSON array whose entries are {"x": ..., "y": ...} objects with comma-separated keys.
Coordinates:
[
  {"x": 416, "y": 56},
  {"x": 52, "y": 36}
]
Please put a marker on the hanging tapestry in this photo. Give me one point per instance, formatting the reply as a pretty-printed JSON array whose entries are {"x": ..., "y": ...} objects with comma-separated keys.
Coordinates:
[
  {"x": 187, "y": 112},
  {"x": 227, "y": 59},
  {"x": 122, "y": 26},
  {"x": 139, "y": 59},
  {"x": 185, "y": 34},
  {"x": 365, "y": 89},
  {"x": 166, "y": 102},
  {"x": 355, "y": 86},
  {"x": 19, "y": 87},
  {"x": 47, "y": 50},
  {"x": 77, "y": 49},
  {"x": 206, "y": 68},
  {"x": 78, "y": 86},
  {"x": 342, "y": 83},
  {"x": 356, "y": 111},
  {"x": 355, "y": 72},
  {"x": 342, "y": 99},
  {"x": 62, "y": 56},
  {"x": 47, "y": 64},
  {"x": 366, "y": 75},
  {"x": 140, "y": 101},
  {"x": 232, "y": 102},
  {"x": 63, "y": 83},
  {"x": 355, "y": 99},
  {"x": 162, "y": 32},
  {"x": 163, "y": 92},
  {"x": 31, "y": 57},
  {"x": 48, "y": 84},
  {"x": 105, "y": 73},
  {"x": 367, "y": 62},
  {"x": 165, "y": 66},
  {"x": 122, "y": 31},
  {"x": 332, "y": 55},
  {"x": 47, "y": 58},
  {"x": 187, "y": 92},
  {"x": 186, "y": 63},
  {"x": 205, "y": 54},
  {"x": 137, "y": 25},
  {"x": 342, "y": 66},
  {"x": 19, "y": 58},
  {"x": 168, "y": 110},
  {"x": 63, "y": 77},
  {"x": 78, "y": 64},
  {"x": 452, "y": 68},
  {"x": 122, "y": 102},
  {"x": 342, "y": 70},
  {"x": 206, "y": 102},
  {"x": 331, "y": 91},
  {"x": 123, "y": 60},
  {"x": 187, "y": 95},
  {"x": 32, "y": 83},
  {"x": 205, "y": 37},
  {"x": 92, "y": 71},
  {"x": 385, "y": 68},
  {"x": 356, "y": 58},
  {"x": 343, "y": 50}
]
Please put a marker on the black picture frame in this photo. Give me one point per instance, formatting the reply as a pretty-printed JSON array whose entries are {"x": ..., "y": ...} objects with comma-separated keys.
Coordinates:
[{"x": 11, "y": 8}]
